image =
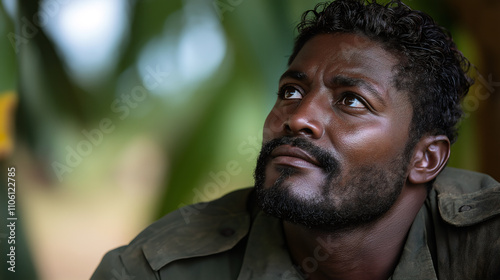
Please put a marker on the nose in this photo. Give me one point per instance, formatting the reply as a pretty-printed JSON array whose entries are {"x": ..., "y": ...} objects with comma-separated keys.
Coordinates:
[{"x": 305, "y": 119}]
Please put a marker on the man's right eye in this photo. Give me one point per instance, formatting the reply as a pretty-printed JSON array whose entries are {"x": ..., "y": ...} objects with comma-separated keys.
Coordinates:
[{"x": 289, "y": 92}]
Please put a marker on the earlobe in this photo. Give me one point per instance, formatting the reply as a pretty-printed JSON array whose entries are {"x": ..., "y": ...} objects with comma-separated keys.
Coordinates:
[{"x": 430, "y": 156}]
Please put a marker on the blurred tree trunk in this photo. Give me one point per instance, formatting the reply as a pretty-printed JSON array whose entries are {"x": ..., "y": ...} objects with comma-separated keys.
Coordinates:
[{"x": 482, "y": 20}]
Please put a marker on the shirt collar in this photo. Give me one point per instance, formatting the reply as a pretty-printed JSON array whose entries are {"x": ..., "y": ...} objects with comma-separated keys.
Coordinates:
[
  {"x": 267, "y": 256},
  {"x": 197, "y": 230},
  {"x": 416, "y": 261}
]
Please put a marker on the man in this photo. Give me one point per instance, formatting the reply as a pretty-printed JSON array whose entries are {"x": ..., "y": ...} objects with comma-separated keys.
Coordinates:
[{"x": 350, "y": 182}]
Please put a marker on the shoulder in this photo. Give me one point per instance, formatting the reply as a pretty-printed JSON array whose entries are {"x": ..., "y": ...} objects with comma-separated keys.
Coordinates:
[
  {"x": 454, "y": 180},
  {"x": 465, "y": 209},
  {"x": 192, "y": 231},
  {"x": 467, "y": 197}
]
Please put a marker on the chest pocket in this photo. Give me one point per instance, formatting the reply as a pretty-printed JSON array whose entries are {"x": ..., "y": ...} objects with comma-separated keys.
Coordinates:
[{"x": 468, "y": 209}]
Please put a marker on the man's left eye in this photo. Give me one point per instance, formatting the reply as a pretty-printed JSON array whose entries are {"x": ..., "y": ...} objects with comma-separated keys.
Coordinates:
[
  {"x": 352, "y": 101},
  {"x": 290, "y": 92}
]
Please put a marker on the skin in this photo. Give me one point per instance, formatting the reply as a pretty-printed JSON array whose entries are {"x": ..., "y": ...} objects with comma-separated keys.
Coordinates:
[{"x": 338, "y": 93}]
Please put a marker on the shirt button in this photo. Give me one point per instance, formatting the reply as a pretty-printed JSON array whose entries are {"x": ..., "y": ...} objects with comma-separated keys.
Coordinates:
[
  {"x": 227, "y": 232},
  {"x": 464, "y": 208}
]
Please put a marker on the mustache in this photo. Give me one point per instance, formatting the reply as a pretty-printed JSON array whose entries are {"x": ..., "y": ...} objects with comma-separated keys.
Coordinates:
[{"x": 326, "y": 160}]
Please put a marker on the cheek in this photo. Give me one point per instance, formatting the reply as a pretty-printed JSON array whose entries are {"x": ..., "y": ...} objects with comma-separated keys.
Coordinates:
[
  {"x": 376, "y": 144},
  {"x": 273, "y": 124}
]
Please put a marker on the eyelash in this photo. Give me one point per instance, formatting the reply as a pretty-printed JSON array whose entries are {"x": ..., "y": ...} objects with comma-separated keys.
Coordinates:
[
  {"x": 355, "y": 95},
  {"x": 281, "y": 91}
]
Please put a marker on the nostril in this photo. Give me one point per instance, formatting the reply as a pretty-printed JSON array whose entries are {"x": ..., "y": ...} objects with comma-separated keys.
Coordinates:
[
  {"x": 305, "y": 124},
  {"x": 306, "y": 131}
]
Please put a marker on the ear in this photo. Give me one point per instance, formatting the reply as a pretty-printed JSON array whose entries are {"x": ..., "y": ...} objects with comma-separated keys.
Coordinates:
[{"x": 430, "y": 156}]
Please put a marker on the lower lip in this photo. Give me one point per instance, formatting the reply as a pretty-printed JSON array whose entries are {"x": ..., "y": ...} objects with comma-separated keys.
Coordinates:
[{"x": 293, "y": 162}]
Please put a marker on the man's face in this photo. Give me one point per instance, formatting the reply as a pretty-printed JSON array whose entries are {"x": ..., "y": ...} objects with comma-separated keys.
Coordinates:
[{"x": 334, "y": 142}]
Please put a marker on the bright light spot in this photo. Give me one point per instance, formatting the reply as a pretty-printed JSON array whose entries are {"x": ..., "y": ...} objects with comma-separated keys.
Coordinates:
[
  {"x": 10, "y": 7},
  {"x": 88, "y": 33},
  {"x": 191, "y": 48}
]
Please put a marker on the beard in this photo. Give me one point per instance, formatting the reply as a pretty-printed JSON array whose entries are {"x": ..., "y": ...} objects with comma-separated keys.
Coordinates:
[{"x": 361, "y": 197}]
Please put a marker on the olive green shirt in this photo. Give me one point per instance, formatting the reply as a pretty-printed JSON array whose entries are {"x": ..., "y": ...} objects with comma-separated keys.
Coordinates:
[{"x": 455, "y": 235}]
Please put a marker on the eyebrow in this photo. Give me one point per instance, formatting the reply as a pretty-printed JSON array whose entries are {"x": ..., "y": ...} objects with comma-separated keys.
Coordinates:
[
  {"x": 340, "y": 80},
  {"x": 297, "y": 75}
]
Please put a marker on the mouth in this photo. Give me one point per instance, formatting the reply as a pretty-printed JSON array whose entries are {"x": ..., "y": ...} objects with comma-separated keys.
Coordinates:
[{"x": 293, "y": 156}]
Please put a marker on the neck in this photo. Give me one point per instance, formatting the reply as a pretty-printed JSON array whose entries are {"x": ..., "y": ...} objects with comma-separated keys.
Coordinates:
[{"x": 367, "y": 252}]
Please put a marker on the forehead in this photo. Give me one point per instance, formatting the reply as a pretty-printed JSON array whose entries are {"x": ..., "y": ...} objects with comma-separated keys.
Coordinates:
[
  {"x": 355, "y": 50},
  {"x": 354, "y": 56}
]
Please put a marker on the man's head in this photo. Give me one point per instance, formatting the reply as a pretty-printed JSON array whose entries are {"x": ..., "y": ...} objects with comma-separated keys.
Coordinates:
[
  {"x": 431, "y": 69},
  {"x": 368, "y": 103}
]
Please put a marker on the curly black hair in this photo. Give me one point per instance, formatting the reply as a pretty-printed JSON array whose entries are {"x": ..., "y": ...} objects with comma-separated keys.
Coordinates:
[{"x": 431, "y": 68}]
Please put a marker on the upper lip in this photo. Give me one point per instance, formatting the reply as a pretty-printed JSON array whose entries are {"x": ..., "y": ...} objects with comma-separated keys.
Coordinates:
[{"x": 292, "y": 151}]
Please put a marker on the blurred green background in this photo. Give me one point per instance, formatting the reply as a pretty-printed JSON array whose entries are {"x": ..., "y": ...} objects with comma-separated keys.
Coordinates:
[{"x": 127, "y": 110}]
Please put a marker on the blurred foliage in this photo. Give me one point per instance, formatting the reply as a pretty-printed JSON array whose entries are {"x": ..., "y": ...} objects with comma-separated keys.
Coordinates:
[
  {"x": 7, "y": 55},
  {"x": 23, "y": 265},
  {"x": 205, "y": 123}
]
